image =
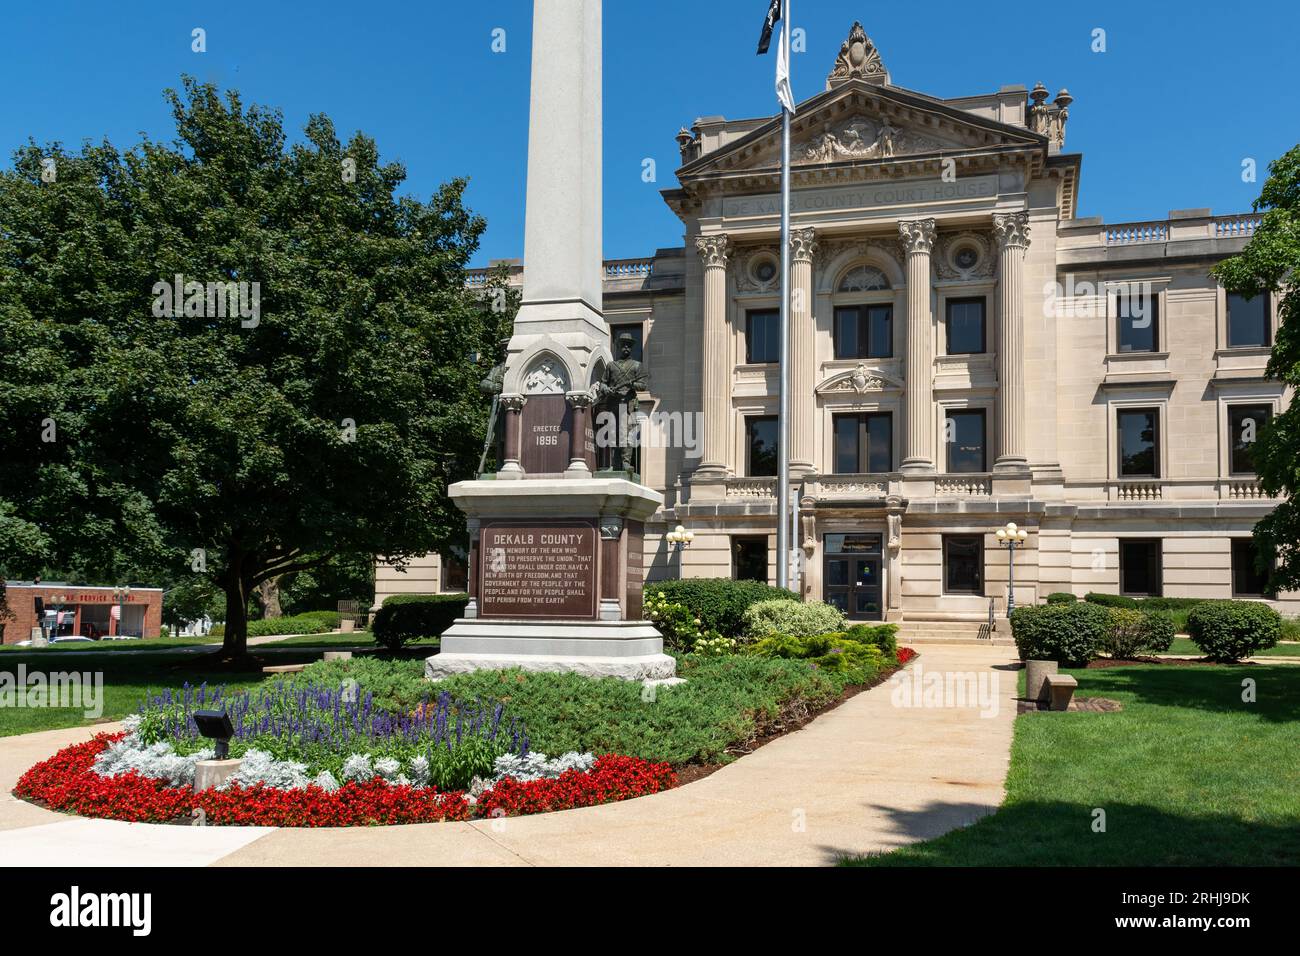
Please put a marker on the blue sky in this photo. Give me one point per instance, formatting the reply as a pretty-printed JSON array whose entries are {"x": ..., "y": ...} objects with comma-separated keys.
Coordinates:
[{"x": 1164, "y": 117}]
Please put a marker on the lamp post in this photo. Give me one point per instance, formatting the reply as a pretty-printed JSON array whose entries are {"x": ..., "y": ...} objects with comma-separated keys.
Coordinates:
[
  {"x": 1011, "y": 538},
  {"x": 680, "y": 539},
  {"x": 121, "y": 595}
]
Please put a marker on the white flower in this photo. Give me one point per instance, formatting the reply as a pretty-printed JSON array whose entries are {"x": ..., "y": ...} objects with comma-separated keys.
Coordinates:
[{"x": 357, "y": 767}]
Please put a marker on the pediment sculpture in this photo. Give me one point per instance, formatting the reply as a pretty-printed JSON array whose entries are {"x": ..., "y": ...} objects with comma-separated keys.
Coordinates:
[
  {"x": 856, "y": 381},
  {"x": 863, "y": 138}
]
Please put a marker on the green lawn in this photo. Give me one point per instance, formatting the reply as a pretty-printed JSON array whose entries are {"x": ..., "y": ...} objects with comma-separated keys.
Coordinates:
[
  {"x": 1184, "y": 646},
  {"x": 1187, "y": 774},
  {"x": 150, "y": 644}
]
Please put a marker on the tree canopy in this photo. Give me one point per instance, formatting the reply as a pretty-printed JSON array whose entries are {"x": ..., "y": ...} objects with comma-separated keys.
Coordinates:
[
  {"x": 309, "y": 393},
  {"x": 1270, "y": 263}
]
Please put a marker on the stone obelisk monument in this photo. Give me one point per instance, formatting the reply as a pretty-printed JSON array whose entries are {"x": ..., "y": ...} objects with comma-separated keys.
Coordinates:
[{"x": 555, "y": 542}]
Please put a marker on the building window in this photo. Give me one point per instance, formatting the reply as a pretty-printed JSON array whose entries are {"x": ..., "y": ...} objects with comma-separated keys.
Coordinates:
[
  {"x": 455, "y": 573},
  {"x": 749, "y": 558},
  {"x": 963, "y": 564},
  {"x": 1244, "y": 425},
  {"x": 1247, "y": 579},
  {"x": 966, "y": 440},
  {"x": 1138, "y": 438},
  {"x": 762, "y": 337},
  {"x": 1248, "y": 325},
  {"x": 864, "y": 444},
  {"x": 636, "y": 330},
  {"x": 965, "y": 324},
  {"x": 864, "y": 331},
  {"x": 1139, "y": 320},
  {"x": 761, "y": 441},
  {"x": 1140, "y": 567}
]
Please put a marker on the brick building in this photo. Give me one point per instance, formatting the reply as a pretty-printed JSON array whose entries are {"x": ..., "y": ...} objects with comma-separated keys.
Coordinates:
[{"x": 83, "y": 610}]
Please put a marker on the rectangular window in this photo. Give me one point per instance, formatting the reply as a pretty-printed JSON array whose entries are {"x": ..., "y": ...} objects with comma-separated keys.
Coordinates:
[
  {"x": 1139, "y": 320},
  {"x": 1247, "y": 579},
  {"x": 965, "y": 324},
  {"x": 749, "y": 558},
  {"x": 963, "y": 564},
  {"x": 761, "y": 436},
  {"x": 762, "y": 337},
  {"x": 864, "y": 331},
  {"x": 1140, "y": 567},
  {"x": 1248, "y": 322},
  {"x": 966, "y": 441},
  {"x": 636, "y": 330},
  {"x": 1138, "y": 440},
  {"x": 864, "y": 443},
  {"x": 1244, "y": 425}
]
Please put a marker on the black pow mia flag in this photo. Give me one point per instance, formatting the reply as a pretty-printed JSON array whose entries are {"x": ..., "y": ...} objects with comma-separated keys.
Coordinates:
[{"x": 769, "y": 23}]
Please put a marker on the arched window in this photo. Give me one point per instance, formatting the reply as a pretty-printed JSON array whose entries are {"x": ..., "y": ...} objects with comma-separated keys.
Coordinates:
[{"x": 864, "y": 279}]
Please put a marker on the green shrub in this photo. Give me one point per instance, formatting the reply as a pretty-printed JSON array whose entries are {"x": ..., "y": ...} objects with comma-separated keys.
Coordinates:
[
  {"x": 719, "y": 603},
  {"x": 406, "y": 617},
  {"x": 789, "y": 616},
  {"x": 329, "y": 618},
  {"x": 1290, "y": 629},
  {"x": 883, "y": 636},
  {"x": 280, "y": 626},
  {"x": 829, "y": 652},
  {"x": 1133, "y": 633},
  {"x": 1068, "y": 633},
  {"x": 398, "y": 686},
  {"x": 1231, "y": 630},
  {"x": 1061, "y": 597},
  {"x": 1110, "y": 600},
  {"x": 680, "y": 628}
]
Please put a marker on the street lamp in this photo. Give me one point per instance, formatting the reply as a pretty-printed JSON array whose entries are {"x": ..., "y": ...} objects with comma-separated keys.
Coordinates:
[
  {"x": 1011, "y": 538},
  {"x": 121, "y": 595},
  {"x": 680, "y": 539}
]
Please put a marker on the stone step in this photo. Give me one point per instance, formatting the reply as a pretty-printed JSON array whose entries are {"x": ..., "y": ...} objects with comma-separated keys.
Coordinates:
[{"x": 953, "y": 632}]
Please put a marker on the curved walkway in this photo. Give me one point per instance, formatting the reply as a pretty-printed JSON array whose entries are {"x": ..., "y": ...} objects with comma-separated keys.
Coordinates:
[{"x": 868, "y": 776}]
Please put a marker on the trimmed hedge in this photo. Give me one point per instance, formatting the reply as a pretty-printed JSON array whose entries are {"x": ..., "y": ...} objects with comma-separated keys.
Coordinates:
[
  {"x": 1111, "y": 600},
  {"x": 281, "y": 626},
  {"x": 406, "y": 617},
  {"x": 1227, "y": 631},
  {"x": 719, "y": 603},
  {"x": 1061, "y": 597},
  {"x": 791, "y": 617},
  {"x": 1068, "y": 633}
]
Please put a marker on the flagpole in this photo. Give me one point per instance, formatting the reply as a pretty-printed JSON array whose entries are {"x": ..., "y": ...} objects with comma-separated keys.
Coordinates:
[{"x": 783, "y": 393}]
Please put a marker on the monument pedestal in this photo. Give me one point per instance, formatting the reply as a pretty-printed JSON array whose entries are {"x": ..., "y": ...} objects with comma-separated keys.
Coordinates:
[{"x": 555, "y": 580}]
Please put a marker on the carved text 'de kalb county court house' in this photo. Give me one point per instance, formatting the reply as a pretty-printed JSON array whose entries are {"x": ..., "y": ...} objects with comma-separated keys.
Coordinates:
[{"x": 965, "y": 351}]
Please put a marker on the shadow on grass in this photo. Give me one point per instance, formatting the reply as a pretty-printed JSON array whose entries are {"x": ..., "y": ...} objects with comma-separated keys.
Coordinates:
[
  {"x": 1059, "y": 834},
  {"x": 1208, "y": 688}
]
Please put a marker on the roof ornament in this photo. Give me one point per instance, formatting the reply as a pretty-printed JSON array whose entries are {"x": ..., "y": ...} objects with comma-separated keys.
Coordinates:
[{"x": 858, "y": 60}]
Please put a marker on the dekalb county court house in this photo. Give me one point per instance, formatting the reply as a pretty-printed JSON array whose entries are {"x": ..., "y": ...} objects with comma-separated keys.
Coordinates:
[{"x": 975, "y": 353}]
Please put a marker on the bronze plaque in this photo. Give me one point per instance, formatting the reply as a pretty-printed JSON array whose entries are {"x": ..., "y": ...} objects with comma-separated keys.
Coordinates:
[
  {"x": 538, "y": 569},
  {"x": 635, "y": 569},
  {"x": 544, "y": 434}
]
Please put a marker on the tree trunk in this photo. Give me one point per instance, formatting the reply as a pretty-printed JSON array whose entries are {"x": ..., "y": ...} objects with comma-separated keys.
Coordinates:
[
  {"x": 268, "y": 598},
  {"x": 235, "y": 643}
]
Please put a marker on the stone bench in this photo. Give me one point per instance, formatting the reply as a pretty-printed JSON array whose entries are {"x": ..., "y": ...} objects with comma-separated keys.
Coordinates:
[
  {"x": 1060, "y": 688},
  {"x": 283, "y": 668}
]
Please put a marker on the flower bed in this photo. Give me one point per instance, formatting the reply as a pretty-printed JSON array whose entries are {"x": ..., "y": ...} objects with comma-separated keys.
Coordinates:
[{"x": 69, "y": 782}]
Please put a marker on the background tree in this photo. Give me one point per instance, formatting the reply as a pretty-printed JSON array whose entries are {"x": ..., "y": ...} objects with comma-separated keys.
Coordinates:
[
  {"x": 242, "y": 448},
  {"x": 1269, "y": 264}
]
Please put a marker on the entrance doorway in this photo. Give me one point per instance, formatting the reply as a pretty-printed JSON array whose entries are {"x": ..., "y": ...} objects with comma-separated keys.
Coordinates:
[{"x": 854, "y": 575}]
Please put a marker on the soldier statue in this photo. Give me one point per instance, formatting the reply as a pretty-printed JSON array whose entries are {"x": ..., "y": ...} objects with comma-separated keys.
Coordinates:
[
  {"x": 496, "y": 436},
  {"x": 618, "y": 392}
]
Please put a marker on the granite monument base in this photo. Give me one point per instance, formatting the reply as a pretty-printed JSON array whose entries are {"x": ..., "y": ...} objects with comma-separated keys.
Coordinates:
[{"x": 631, "y": 650}]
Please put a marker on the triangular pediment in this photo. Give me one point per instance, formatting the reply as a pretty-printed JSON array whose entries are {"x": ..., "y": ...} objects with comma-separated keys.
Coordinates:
[
  {"x": 858, "y": 381},
  {"x": 858, "y": 121}
]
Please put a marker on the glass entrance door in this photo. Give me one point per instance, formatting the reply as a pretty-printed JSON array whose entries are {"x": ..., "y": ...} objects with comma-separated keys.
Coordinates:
[{"x": 853, "y": 580}]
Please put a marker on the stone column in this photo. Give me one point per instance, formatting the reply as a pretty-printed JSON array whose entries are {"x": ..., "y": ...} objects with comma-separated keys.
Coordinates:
[
  {"x": 918, "y": 449},
  {"x": 581, "y": 403},
  {"x": 471, "y": 608},
  {"x": 803, "y": 355},
  {"x": 1012, "y": 230},
  {"x": 512, "y": 406},
  {"x": 716, "y": 355}
]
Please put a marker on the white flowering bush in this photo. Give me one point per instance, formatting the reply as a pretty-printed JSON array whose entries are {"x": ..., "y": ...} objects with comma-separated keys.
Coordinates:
[
  {"x": 156, "y": 761},
  {"x": 794, "y": 618},
  {"x": 358, "y": 768},
  {"x": 419, "y": 771},
  {"x": 537, "y": 766},
  {"x": 258, "y": 766},
  {"x": 326, "y": 781}
]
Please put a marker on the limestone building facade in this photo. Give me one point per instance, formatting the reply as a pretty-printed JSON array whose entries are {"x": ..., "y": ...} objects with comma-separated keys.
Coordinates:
[{"x": 966, "y": 351}]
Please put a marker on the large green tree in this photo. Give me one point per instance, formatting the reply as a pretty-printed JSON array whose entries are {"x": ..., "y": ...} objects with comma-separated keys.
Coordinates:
[
  {"x": 328, "y": 417},
  {"x": 1270, "y": 263}
]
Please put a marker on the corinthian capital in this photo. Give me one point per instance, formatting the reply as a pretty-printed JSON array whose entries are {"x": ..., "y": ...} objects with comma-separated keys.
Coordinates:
[
  {"x": 917, "y": 235},
  {"x": 713, "y": 249},
  {"x": 803, "y": 244},
  {"x": 1012, "y": 229}
]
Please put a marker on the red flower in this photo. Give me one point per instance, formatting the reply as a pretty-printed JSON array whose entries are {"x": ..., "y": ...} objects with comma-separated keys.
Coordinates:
[{"x": 67, "y": 781}]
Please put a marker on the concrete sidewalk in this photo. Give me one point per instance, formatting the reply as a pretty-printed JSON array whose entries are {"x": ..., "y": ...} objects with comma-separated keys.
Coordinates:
[{"x": 867, "y": 776}]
